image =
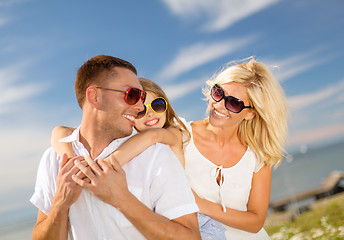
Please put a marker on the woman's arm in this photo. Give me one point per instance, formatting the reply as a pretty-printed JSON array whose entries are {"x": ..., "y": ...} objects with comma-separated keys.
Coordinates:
[
  {"x": 251, "y": 220},
  {"x": 141, "y": 141},
  {"x": 60, "y": 147}
]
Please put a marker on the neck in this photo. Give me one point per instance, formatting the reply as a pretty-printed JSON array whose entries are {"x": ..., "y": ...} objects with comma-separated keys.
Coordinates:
[
  {"x": 94, "y": 138},
  {"x": 223, "y": 136}
]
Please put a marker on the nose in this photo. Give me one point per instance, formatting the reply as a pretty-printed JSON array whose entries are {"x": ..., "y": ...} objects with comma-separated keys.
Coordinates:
[
  {"x": 139, "y": 106},
  {"x": 220, "y": 104},
  {"x": 150, "y": 112}
]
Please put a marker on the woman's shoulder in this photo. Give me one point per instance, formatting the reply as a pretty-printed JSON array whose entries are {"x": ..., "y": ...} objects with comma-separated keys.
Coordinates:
[
  {"x": 253, "y": 157},
  {"x": 190, "y": 124},
  {"x": 198, "y": 125}
]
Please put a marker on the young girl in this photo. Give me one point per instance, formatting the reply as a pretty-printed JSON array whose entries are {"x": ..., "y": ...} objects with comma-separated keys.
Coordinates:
[{"x": 156, "y": 123}]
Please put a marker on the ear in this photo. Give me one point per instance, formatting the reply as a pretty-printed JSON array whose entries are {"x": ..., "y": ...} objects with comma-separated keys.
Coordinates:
[
  {"x": 250, "y": 115},
  {"x": 92, "y": 96}
]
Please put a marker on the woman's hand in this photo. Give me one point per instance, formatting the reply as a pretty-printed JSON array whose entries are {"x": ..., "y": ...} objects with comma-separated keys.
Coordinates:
[{"x": 200, "y": 202}]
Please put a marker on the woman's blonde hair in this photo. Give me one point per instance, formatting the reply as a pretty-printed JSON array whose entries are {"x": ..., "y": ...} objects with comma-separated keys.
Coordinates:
[
  {"x": 172, "y": 120},
  {"x": 266, "y": 133}
]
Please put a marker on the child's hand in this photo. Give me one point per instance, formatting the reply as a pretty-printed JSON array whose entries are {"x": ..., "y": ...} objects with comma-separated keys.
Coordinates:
[{"x": 80, "y": 174}]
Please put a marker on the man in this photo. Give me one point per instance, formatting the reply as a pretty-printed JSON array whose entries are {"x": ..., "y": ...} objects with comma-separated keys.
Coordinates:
[{"x": 149, "y": 198}]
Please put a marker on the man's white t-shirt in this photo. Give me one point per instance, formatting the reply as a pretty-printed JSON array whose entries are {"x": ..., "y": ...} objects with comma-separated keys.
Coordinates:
[{"x": 155, "y": 177}]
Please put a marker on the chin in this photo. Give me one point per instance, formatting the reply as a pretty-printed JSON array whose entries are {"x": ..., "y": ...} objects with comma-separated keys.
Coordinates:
[
  {"x": 215, "y": 122},
  {"x": 126, "y": 132}
]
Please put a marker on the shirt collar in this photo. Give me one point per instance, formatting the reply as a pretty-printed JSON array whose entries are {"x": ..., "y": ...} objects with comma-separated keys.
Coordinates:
[{"x": 75, "y": 136}]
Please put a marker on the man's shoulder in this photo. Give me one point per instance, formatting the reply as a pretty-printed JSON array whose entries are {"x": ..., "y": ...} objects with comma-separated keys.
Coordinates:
[
  {"x": 158, "y": 153},
  {"x": 50, "y": 158},
  {"x": 50, "y": 153},
  {"x": 158, "y": 149}
]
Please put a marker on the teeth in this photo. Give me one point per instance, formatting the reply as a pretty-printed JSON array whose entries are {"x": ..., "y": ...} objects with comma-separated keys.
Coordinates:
[
  {"x": 219, "y": 114},
  {"x": 152, "y": 122},
  {"x": 129, "y": 117}
]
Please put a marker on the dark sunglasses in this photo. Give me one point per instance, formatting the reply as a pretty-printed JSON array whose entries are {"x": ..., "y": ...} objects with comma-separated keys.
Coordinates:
[
  {"x": 232, "y": 104},
  {"x": 132, "y": 95},
  {"x": 158, "y": 105}
]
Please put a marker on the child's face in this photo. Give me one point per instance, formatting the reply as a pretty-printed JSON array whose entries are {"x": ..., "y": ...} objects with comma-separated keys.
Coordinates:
[{"x": 152, "y": 119}]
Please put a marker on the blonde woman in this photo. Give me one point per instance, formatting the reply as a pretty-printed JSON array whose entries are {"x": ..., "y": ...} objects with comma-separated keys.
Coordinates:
[{"x": 230, "y": 155}]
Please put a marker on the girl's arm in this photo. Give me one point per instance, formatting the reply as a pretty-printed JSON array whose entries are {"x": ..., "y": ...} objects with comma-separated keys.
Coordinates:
[
  {"x": 60, "y": 147},
  {"x": 141, "y": 141},
  {"x": 251, "y": 220},
  {"x": 129, "y": 149}
]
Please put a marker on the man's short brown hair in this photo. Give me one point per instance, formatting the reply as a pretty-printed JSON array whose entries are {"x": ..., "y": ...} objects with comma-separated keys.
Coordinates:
[{"x": 93, "y": 71}]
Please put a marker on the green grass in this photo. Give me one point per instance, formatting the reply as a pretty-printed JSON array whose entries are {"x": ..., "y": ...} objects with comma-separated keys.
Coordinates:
[{"x": 325, "y": 222}]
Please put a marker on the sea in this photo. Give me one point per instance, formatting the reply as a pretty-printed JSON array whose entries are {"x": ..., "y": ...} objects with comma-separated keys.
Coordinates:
[{"x": 301, "y": 171}]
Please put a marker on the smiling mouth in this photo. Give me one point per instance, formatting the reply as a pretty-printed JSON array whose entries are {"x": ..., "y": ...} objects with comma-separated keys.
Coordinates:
[
  {"x": 152, "y": 122},
  {"x": 219, "y": 113},
  {"x": 130, "y": 118}
]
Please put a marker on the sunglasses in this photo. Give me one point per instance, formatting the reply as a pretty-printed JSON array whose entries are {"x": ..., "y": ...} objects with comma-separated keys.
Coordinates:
[
  {"x": 132, "y": 95},
  {"x": 232, "y": 104},
  {"x": 158, "y": 105}
]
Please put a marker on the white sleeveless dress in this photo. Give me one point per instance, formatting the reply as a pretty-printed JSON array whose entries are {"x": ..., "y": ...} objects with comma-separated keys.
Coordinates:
[{"x": 233, "y": 192}]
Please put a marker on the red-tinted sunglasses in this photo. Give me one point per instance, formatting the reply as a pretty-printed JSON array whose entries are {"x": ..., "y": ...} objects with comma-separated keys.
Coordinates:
[
  {"x": 232, "y": 104},
  {"x": 132, "y": 95}
]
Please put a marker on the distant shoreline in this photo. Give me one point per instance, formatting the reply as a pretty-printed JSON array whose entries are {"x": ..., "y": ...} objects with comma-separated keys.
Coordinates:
[{"x": 283, "y": 217}]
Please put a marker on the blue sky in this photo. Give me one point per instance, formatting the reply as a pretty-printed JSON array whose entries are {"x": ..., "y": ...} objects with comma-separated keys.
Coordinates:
[{"x": 177, "y": 43}]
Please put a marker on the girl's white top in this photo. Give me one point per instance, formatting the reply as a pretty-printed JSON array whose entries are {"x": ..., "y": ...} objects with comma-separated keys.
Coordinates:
[{"x": 233, "y": 192}]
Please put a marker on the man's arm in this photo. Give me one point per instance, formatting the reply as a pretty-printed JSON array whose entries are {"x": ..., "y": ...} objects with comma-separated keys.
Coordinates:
[
  {"x": 54, "y": 227},
  {"x": 155, "y": 226},
  {"x": 55, "y": 224},
  {"x": 109, "y": 184}
]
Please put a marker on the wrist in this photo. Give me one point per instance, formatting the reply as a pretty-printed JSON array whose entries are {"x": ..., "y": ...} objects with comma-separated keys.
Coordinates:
[
  {"x": 152, "y": 135},
  {"x": 204, "y": 206},
  {"x": 60, "y": 205},
  {"x": 125, "y": 203}
]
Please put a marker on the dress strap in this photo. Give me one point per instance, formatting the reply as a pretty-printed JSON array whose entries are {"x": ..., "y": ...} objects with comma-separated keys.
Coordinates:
[{"x": 219, "y": 173}]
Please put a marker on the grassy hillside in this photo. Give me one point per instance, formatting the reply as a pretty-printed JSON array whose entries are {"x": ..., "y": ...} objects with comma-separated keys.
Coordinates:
[{"x": 325, "y": 221}]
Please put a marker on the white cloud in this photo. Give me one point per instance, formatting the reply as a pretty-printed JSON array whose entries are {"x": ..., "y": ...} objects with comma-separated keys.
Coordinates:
[
  {"x": 12, "y": 90},
  {"x": 297, "y": 64},
  {"x": 174, "y": 92},
  {"x": 199, "y": 54},
  {"x": 19, "y": 92},
  {"x": 221, "y": 14},
  {"x": 5, "y": 3},
  {"x": 308, "y": 131},
  {"x": 315, "y": 135},
  {"x": 10, "y": 74},
  {"x": 21, "y": 150},
  {"x": 308, "y": 99},
  {"x": 3, "y": 21}
]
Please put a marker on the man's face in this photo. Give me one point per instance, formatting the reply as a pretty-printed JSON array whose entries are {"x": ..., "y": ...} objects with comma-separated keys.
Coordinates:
[{"x": 115, "y": 115}]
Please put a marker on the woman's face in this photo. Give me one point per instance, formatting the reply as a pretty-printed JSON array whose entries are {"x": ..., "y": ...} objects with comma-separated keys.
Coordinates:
[
  {"x": 219, "y": 116},
  {"x": 152, "y": 119}
]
